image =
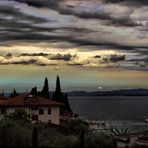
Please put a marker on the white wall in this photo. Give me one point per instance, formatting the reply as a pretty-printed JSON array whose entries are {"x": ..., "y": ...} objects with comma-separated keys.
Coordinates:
[{"x": 54, "y": 117}]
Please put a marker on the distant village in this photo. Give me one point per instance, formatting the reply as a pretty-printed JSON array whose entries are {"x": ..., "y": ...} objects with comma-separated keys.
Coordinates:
[{"x": 40, "y": 106}]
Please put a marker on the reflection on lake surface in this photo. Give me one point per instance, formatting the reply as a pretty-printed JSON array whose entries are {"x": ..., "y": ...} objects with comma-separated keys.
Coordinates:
[{"x": 120, "y": 110}]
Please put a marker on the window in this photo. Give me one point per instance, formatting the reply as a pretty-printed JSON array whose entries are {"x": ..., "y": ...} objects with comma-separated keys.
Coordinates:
[
  {"x": 34, "y": 108},
  {"x": 3, "y": 111},
  {"x": 41, "y": 111},
  {"x": 49, "y": 111},
  {"x": 34, "y": 117}
]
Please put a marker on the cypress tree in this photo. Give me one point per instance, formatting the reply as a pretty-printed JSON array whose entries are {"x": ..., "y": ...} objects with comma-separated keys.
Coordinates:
[
  {"x": 14, "y": 93},
  {"x": 60, "y": 97},
  {"x": 67, "y": 105},
  {"x": 58, "y": 86},
  {"x": 34, "y": 91},
  {"x": 45, "y": 90}
]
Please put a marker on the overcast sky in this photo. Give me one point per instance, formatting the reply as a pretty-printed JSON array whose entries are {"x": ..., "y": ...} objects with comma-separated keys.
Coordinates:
[{"x": 91, "y": 44}]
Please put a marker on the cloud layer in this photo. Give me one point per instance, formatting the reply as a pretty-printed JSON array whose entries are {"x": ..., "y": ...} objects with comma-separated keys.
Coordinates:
[
  {"x": 76, "y": 59},
  {"x": 119, "y": 25}
]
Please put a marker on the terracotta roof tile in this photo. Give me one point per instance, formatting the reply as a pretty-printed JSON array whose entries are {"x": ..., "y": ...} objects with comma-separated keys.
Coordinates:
[
  {"x": 29, "y": 101},
  {"x": 3, "y": 98}
]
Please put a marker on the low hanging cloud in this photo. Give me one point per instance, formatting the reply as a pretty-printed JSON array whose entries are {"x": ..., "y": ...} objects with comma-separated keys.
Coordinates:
[
  {"x": 110, "y": 58},
  {"x": 27, "y": 60},
  {"x": 107, "y": 61},
  {"x": 65, "y": 57},
  {"x": 58, "y": 56},
  {"x": 40, "y": 59},
  {"x": 35, "y": 54},
  {"x": 117, "y": 58},
  {"x": 139, "y": 61}
]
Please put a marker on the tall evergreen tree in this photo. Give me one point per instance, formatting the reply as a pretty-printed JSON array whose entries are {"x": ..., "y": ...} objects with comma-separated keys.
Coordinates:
[
  {"x": 14, "y": 93},
  {"x": 62, "y": 98},
  {"x": 34, "y": 91},
  {"x": 58, "y": 86},
  {"x": 58, "y": 95},
  {"x": 45, "y": 90},
  {"x": 67, "y": 105}
]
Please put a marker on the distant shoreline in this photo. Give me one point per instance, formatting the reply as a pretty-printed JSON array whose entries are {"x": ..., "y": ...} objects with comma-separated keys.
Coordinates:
[
  {"x": 105, "y": 97},
  {"x": 123, "y": 92}
]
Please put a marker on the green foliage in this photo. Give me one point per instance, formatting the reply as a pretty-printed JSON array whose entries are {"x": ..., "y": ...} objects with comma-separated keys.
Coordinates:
[
  {"x": 100, "y": 140},
  {"x": 52, "y": 138},
  {"x": 18, "y": 114},
  {"x": 35, "y": 137},
  {"x": 76, "y": 125},
  {"x": 14, "y": 134}
]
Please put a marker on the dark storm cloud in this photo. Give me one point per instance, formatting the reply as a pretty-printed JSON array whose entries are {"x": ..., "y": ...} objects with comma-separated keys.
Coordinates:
[
  {"x": 106, "y": 44},
  {"x": 34, "y": 54},
  {"x": 65, "y": 57},
  {"x": 139, "y": 60},
  {"x": 119, "y": 21},
  {"x": 15, "y": 26},
  {"x": 54, "y": 4},
  {"x": 24, "y": 27},
  {"x": 117, "y": 58},
  {"x": 86, "y": 15},
  {"x": 126, "y": 21},
  {"x": 41, "y": 3},
  {"x": 34, "y": 35},
  {"x": 112, "y": 58},
  {"x": 17, "y": 15},
  {"x": 26, "y": 32},
  {"x": 14, "y": 30},
  {"x": 135, "y": 2},
  {"x": 97, "y": 56},
  {"x": 142, "y": 62},
  {"x": 58, "y": 56}
]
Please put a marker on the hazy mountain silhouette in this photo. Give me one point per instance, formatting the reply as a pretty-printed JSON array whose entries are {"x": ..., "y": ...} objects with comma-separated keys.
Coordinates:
[{"x": 122, "y": 92}]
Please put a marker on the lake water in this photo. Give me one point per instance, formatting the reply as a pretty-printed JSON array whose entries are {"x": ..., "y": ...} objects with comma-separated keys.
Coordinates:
[{"x": 122, "y": 111}]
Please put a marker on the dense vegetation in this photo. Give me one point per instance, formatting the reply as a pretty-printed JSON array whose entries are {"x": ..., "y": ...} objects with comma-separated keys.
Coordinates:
[{"x": 20, "y": 132}]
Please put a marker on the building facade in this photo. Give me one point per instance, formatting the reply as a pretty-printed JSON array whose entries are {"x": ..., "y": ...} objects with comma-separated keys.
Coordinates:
[{"x": 39, "y": 109}]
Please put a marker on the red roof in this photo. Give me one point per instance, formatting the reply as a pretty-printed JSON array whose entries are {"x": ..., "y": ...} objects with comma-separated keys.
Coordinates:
[
  {"x": 29, "y": 101},
  {"x": 3, "y": 98}
]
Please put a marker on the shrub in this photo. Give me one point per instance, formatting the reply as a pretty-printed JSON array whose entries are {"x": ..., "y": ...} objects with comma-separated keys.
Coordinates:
[
  {"x": 14, "y": 134},
  {"x": 18, "y": 114},
  {"x": 99, "y": 140}
]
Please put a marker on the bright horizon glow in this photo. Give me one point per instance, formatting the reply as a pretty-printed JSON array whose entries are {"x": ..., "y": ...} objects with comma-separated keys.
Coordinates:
[{"x": 23, "y": 78}]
